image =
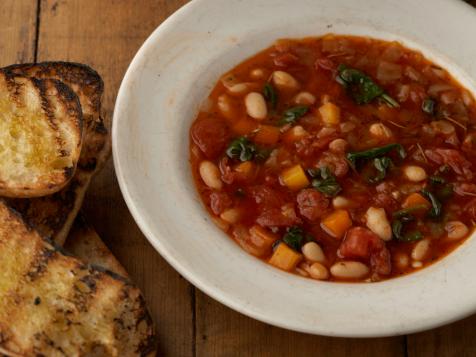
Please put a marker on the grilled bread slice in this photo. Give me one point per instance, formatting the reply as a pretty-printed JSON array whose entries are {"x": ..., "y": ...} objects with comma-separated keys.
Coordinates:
[
  {"x": 53, "y": 215},
  {"x": 52, "y": 304},
  {"x": 40, "y": 135},
  {"x": 84, "y": 243}
]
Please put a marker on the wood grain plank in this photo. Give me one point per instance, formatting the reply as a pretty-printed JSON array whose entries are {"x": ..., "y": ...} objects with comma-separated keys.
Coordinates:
[
  {"x": 457, "y": 339},
  {"x": 17, "y": 31},
  {"x": 223, "y": 332},
  {"x": 105, "y": 35}
]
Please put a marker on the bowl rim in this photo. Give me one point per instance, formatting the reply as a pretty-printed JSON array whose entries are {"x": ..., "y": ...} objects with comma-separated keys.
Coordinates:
[{"x": 198, "y": 281}]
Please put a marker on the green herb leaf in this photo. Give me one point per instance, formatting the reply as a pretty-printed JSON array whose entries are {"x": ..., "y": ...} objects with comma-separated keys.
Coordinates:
[
  {"x": 270, "y": 95},
  {"x": 327, "y": 183},
  {"x": 291, "y": 115},
  {"x": 436, "y": 206},
  {"x": 437, "y": 180},
  {"x": 406, "y": 214},
  {"x": 262, "y": 154},
  {"x": 381, "y": 164},
  {"x": 294, "y": 237},
  {"x": 241, "y": 149},
  {"x": 399, "y": 234},
  {"x": 375, "y": 152},
  {"x": 428, "y": 106},
  {"x": 361, "y": 87}
]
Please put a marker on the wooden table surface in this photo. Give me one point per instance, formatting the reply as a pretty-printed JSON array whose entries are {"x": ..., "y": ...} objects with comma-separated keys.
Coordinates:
[{"x": 105, "y": 34}]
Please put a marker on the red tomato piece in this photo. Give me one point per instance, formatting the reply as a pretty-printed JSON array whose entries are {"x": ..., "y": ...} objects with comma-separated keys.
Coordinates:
[
  {"x": 220, "y": 201},
  {"x": 285, "y": 60},
  {"x": 275, "y": 217},
  {"x": 266, "y": 197},
  {"x": 210, "y": 135},
  {"x": 453, "y": 158},
  {"x": 312, "y": 204}
]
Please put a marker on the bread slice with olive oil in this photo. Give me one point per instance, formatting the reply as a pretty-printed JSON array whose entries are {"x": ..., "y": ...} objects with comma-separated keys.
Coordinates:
[
  {"x": 52, "y": 304},
  {"x": 54, "y": 215},
  {"x": 40, "y": 135}
]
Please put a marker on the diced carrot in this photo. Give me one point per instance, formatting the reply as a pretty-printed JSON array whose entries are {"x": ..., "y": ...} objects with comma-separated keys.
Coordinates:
[
  {"x": 294, "y": 178},
  {"x": 262, "y": 238},
  {"x": 244, "y": 126},
  {"x": 285, "y": 258},
  {"x": 415, "y": 199},
  {"x": 330, "y": 113},
  {"x": 337, "y": 223},
  {"x": 294, "y": 134},
  {"x": 246, "y": 170},
  {"x": 267, "y": 134}
]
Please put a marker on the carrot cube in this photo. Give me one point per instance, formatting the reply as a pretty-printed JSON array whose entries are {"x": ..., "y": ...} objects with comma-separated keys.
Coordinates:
[
  {"x": 246, "y": 169},
  {"x": 294, "y": 178},
  {"x": 337, "y": 223},
  {"x": 267, "y": 134},
  {"x": 415, "y": 199},
  {"x": 285, "y": 258},
  {"x": 244, "y": 126}
]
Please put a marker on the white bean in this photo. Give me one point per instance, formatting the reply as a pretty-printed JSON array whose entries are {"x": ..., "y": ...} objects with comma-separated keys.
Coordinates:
[
  {"x": 380, "y": 131},
  {"x": 341, "y": 202},
  {"x": 257, "y": 73},
  {"x": 318, "y": 271},
  {"x": 239, "y": 89},
  {"x": 210, "y": 174},
  {"x": 226, "y": 107},
  {"x": 313, "y": 252},
  {"x": 456, "y": 230},
  {"x": 284, "y": 81},
  {"x": 256, "y": 106},
  {"x": 420, "y": 250},
  {"x": 378, "y": 223},
  {"x": 231, "y": 215},
  {"x": 304, "y": 98},
  {"x": 338, "y": 145},
  {"x": 414, "y": 173},
  {"x": 349, "y": 270}
]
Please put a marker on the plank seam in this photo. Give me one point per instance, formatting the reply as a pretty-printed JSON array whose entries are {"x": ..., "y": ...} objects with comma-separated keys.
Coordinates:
[{"x": 37, "y": 30}]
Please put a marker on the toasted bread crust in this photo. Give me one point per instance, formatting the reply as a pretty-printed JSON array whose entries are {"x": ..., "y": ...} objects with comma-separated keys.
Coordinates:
[
  {"x": 53, "y": 215},
  {"x": 31, "y": 106},
  {"x": 62, "y": 306}
]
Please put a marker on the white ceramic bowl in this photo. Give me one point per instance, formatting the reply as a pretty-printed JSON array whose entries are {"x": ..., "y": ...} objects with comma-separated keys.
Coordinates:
[{"x": 159, "y": 97}]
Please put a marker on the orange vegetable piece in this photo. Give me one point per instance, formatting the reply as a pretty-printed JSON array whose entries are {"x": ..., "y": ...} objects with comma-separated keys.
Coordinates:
[
  {"x": 337, "y": 223},
  {"x": 330, "y": 113},
  {"x": 246, "y": 169},
  {"x": 285, "y": 258},
  {"x": 244, "y": 126},
  {"x": 262, "y": 238},
  {"x": 267, "y": 134},
  {"x": 295, "y": 178},
  {"x": 416, "y": 199}
]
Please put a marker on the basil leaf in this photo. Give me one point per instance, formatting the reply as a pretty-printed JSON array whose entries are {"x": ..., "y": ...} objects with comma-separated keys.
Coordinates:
[
  {"x": 294, "y": 237},
  {"x": 270, "y": 95},
  {"x": 352, "y": 157},
  {"x": 428, "y": 106},
  {"x": 437, "y": 180},
  {"x": 436, "y": 208},
  {"x": 397, "y": 230},
  {"x": 327, "y": 183},
  {"x": 241, "y": 149},
  {"x": 406, "y": 214},
  {"x": 411, "y": 236},
  {"x": 361, "y": 87},
  {"x": 291, "y": 115},
  {"x": 381, "y": 164}
]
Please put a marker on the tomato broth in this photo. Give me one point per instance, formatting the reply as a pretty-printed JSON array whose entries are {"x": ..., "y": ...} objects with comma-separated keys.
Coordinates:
[{"x": 339, "y": 158}]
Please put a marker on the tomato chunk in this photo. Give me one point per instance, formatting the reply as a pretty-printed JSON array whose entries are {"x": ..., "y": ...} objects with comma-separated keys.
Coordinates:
[
  {"x": 210, "y": 135},
  {"x": 312, "y": 204}
]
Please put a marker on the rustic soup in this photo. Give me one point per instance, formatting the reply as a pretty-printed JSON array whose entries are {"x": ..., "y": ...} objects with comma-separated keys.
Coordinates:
[{"x": 339, "y": 158}]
